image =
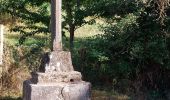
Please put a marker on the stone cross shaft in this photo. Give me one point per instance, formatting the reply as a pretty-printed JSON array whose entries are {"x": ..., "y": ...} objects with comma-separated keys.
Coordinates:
[{"x": 56, "y": 34}]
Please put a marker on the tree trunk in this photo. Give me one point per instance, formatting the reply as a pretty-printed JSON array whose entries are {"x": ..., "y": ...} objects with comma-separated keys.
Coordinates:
[
  {"x": 72, "y": 28},
  {"x": 78, "y": 4}
]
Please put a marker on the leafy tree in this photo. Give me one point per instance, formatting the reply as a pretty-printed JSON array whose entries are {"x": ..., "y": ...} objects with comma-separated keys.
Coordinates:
[
  {"x": 75, "y": 13},
  {"x": 33, "y": 14}
]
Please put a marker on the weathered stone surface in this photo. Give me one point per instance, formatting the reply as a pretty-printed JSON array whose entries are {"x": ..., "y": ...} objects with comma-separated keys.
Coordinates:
[
  {"x": 59, "y": 81},
  {"x": 77, "y": 91},
  {"x": 58, "y": 91},
  {"x": 56, "y": 77},
  {"x": 56, "y": 20},
  {"x": 59, "y": 61}
]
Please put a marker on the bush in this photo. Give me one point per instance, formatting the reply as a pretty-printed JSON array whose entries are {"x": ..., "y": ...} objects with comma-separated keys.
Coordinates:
[
  {"x": 18, "y": 62},
  {"x": 134, "y": 51}
]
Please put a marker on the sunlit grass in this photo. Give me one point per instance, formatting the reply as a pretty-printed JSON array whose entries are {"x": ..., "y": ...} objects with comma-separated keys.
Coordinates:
[
  {"x": 13, "y": 39},
  {"x": 80, "y": 34},
  {"x": 86, "y": 31}
]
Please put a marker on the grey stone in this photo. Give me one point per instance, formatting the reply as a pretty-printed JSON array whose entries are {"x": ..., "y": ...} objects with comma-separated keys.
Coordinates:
[
  {"x": 55, "y": 77},
  {"x": 56, "y": 91},
  {"x": 56, "y": 30},
  {"x": 77, "y": 91},
  {"x": 59, "y": 61},
  {"x": 57, "y": 82}
]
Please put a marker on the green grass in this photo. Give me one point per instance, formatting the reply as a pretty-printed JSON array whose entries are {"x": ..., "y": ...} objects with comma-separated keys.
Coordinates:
[
  {"x": 13, "y": 39},
  {"x": 81, "y": 34},
  {"x": 88, "y": 31}
]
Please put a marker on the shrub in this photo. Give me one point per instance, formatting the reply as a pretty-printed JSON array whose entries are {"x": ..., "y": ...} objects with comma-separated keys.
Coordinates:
[
  {"x": 17, "y": 63},
  {"x": 135, "y": 51}
]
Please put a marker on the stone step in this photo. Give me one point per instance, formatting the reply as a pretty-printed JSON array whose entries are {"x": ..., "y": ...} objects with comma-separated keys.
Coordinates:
[
  {"x": 57, "y": 91},
  {"x": 55, "y": 77}
]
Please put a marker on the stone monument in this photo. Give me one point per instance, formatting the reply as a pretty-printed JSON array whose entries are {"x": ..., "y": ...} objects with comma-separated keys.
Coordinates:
[{"x": 58, "y": 80}]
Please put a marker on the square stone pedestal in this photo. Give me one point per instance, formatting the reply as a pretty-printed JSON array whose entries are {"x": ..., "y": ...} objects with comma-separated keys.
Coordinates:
[
  {"x": 57, "y": 80},
  {"x": 56, "y": 91}
]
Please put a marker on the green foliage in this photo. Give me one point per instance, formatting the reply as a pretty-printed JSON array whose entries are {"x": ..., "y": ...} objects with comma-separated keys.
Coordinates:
[
  {"x": 134, "y": 49},
  {"x": 34, "y": 16}
]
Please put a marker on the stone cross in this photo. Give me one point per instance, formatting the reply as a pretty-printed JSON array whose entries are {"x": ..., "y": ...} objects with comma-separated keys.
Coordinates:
[
  {"x": 56, "y": 25},
  {"x": 59, "y": 81}
]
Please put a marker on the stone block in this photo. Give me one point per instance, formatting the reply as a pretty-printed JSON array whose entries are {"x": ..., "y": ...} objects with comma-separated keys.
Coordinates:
[
  {"x": 59, "y": 61},
  {"x": 56, "y": 91},
  {"x": 55, "y": 77}
]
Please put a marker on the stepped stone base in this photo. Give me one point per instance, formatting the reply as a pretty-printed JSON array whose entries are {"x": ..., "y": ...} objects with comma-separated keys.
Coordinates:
[
  {"x": 55, "y": 77},
  {"x": 56, "y": 80},
  {"x": 56, "y": 91}
]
